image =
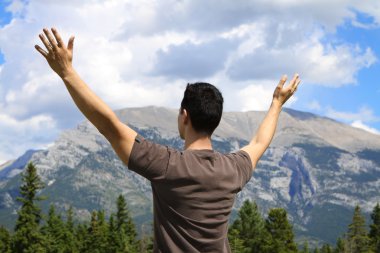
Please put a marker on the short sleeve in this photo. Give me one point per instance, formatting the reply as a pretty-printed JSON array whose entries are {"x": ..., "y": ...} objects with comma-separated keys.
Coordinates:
[
  {"x": 149, "y": 159},
  {"x": 243, "y": 165}
]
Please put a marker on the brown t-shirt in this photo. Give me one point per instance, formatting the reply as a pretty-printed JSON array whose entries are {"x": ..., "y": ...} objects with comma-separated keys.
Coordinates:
[{"x": 193, "y": 193}]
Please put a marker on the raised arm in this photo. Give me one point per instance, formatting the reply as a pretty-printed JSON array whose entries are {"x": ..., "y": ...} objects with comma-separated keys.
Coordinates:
[
  {"x": 94, "y": 109},
  {"x": 267, "y": 128}
]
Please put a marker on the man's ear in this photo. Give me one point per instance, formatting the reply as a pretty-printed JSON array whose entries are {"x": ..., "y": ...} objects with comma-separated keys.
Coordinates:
[{"x": 186, "y": 117}]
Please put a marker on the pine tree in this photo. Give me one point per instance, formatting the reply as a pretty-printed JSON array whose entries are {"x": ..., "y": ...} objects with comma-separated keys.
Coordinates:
[
  {"x": 374, "y": 233},
  {"x": 326, "y": 249},
  {"x": 278, "y": 226},
  {"x": 82, "y": 237},
  {"x": 92, "y": 242},
  {"x": 70, "y": 220},
  {"x": 54, "y": 231},
  {"x": 305, "y": 248},
  {"x": 102, "y": 236},
  {"x": 125, "y": 228},
  {"x": 358, "y": 241},
  {"x": 249, "y": 230},
  {"x": 236, "y": 243},
  {"x": 340, "y": 246},
  {"x": 69, "y": 241},
  {"x": 146, "y": 242},
  {"x": 5, "y": 240},
  {"x": 112, "y": 235},
  {"x": 28, "y": 237}
]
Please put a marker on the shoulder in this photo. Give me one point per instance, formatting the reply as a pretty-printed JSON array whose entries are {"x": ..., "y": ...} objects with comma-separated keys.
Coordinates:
[
  {"x": 239, "y": 155},
  {"x": 243, "y": 164},
  {"x": 149, "y": 159}
]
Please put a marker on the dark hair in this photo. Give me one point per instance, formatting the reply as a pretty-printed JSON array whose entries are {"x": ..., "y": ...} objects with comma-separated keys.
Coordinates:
[{"x": 204, "y": 104}]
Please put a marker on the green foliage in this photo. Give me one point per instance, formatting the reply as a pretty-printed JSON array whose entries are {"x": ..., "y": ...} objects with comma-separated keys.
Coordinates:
[
  {"x": 146, "y": 241},
  {"x": 340, "y": 246},
  {"x": 59, "y": 236},
  {"x": 358, "y": 241},
  {"x": 278, "y": 226},
  {"x": 326, "y": 249},
  {"x": 248, "y": 233},
  {"x": 53, "y": 231},
  {"x": 70, "y": 220},
  {"x": 374, "y": 233},
  {"x": 305, "y": 248},
  {"x": 5, "y": 240},
  {"x": 235, "y": 240},
  {"x": 28, "y": 237},
  {"x": 126, "y": 230}
]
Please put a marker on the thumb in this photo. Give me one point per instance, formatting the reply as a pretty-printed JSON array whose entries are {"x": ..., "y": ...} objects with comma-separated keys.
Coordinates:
[{"x": 70, "y": 45}]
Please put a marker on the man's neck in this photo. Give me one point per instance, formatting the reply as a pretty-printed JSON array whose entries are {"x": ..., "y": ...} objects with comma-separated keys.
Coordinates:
[{"x": 197, "y": 141}]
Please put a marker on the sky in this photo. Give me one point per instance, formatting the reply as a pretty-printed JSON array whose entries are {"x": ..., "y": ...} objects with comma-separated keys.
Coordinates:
[{"x": 140, "y": 53}]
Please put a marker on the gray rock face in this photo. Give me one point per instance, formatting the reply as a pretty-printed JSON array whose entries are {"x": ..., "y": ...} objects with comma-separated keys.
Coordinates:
[{"x": 316, "y": 168}]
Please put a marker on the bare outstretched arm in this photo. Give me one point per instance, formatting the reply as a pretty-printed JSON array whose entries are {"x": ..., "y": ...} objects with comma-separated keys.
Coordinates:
[
  {"x": 94, "y": 109},
  {"x": 267, "y": 128}
]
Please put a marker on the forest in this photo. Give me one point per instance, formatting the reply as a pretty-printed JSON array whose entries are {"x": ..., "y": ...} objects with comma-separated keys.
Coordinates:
[{"x": 250, "y": 232}]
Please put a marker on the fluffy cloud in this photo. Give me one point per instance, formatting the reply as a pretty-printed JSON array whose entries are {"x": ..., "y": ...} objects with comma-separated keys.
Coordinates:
[
  {"x": 314, "y": 105},
  {"x": 18, "y": 136},
  {"x": 361, "y": 125},
  {"x": 258, "y": 97},
  {"x": 315, "y": 62},
  {"x": 359, "y": 119},
  {"x": 191, "y": 60},
  {"x": 364, "y": 114},
  {"x": 137, "y": 53}
]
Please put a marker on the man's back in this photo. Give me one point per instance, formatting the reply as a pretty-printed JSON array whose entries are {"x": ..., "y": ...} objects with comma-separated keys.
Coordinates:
[{"x": 193, "y": 193}]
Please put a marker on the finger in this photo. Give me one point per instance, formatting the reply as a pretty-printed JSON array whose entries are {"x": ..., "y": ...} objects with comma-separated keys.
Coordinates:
[
  {"x": 46, "y": 43},
  {"x": 58, "y": 37},
  {"x": 296, "y": 85},
  {"x": 298, "y": 82},
  {"x": 294, "y": 80},
  {"x": 39, "y": 49},
  {"x": 70, "y": 44},
  {"x": 52, "y": 41},
  {"x": 282, "y": 81}
]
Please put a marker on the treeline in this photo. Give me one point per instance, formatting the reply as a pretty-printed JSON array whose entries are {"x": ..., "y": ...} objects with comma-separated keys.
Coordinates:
[
  {"x": 249, "y": 233},
  {"x": 56, "y": 235}
]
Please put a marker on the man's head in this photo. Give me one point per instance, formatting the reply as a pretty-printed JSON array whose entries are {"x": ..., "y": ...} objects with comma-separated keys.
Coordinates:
[{"x": 203, "y": 103}]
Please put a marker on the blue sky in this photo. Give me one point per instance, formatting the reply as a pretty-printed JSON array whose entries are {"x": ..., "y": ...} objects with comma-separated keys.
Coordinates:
[{"x": 138, "y": 53}]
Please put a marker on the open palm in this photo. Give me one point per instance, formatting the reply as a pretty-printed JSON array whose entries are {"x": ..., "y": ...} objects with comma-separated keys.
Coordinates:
[
  {"x": 57, "y": 55},
  {"x": 282, "y": 94}
]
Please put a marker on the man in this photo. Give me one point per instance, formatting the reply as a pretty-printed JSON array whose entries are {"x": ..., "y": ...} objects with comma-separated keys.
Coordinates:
[{"x": 194, "y": 189}]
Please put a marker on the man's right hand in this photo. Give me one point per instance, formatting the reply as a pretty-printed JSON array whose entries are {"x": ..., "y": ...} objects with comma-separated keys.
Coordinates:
[
  {"x": 281, "y": 94},
  {"x": 267, "y": 128}
]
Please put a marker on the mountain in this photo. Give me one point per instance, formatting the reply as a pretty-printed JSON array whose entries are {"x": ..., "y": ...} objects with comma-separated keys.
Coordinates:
[{"x": 316, "y": 168}]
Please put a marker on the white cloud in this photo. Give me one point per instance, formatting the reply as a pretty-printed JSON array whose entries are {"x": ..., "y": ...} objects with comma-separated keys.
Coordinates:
[
  {"x": 316, "y": 62},
  {"x": 361, "y": 125},
  {"x": 119, "y": 44},
  {"x": 255, "y": 98},
  {"x": 360, "y": 119},
  {"x": 17, "y": 136},
  {"x": 314, "y": 105},
  {"x": 364, "y": 114},
  {"x": 258, "y": 97}
]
